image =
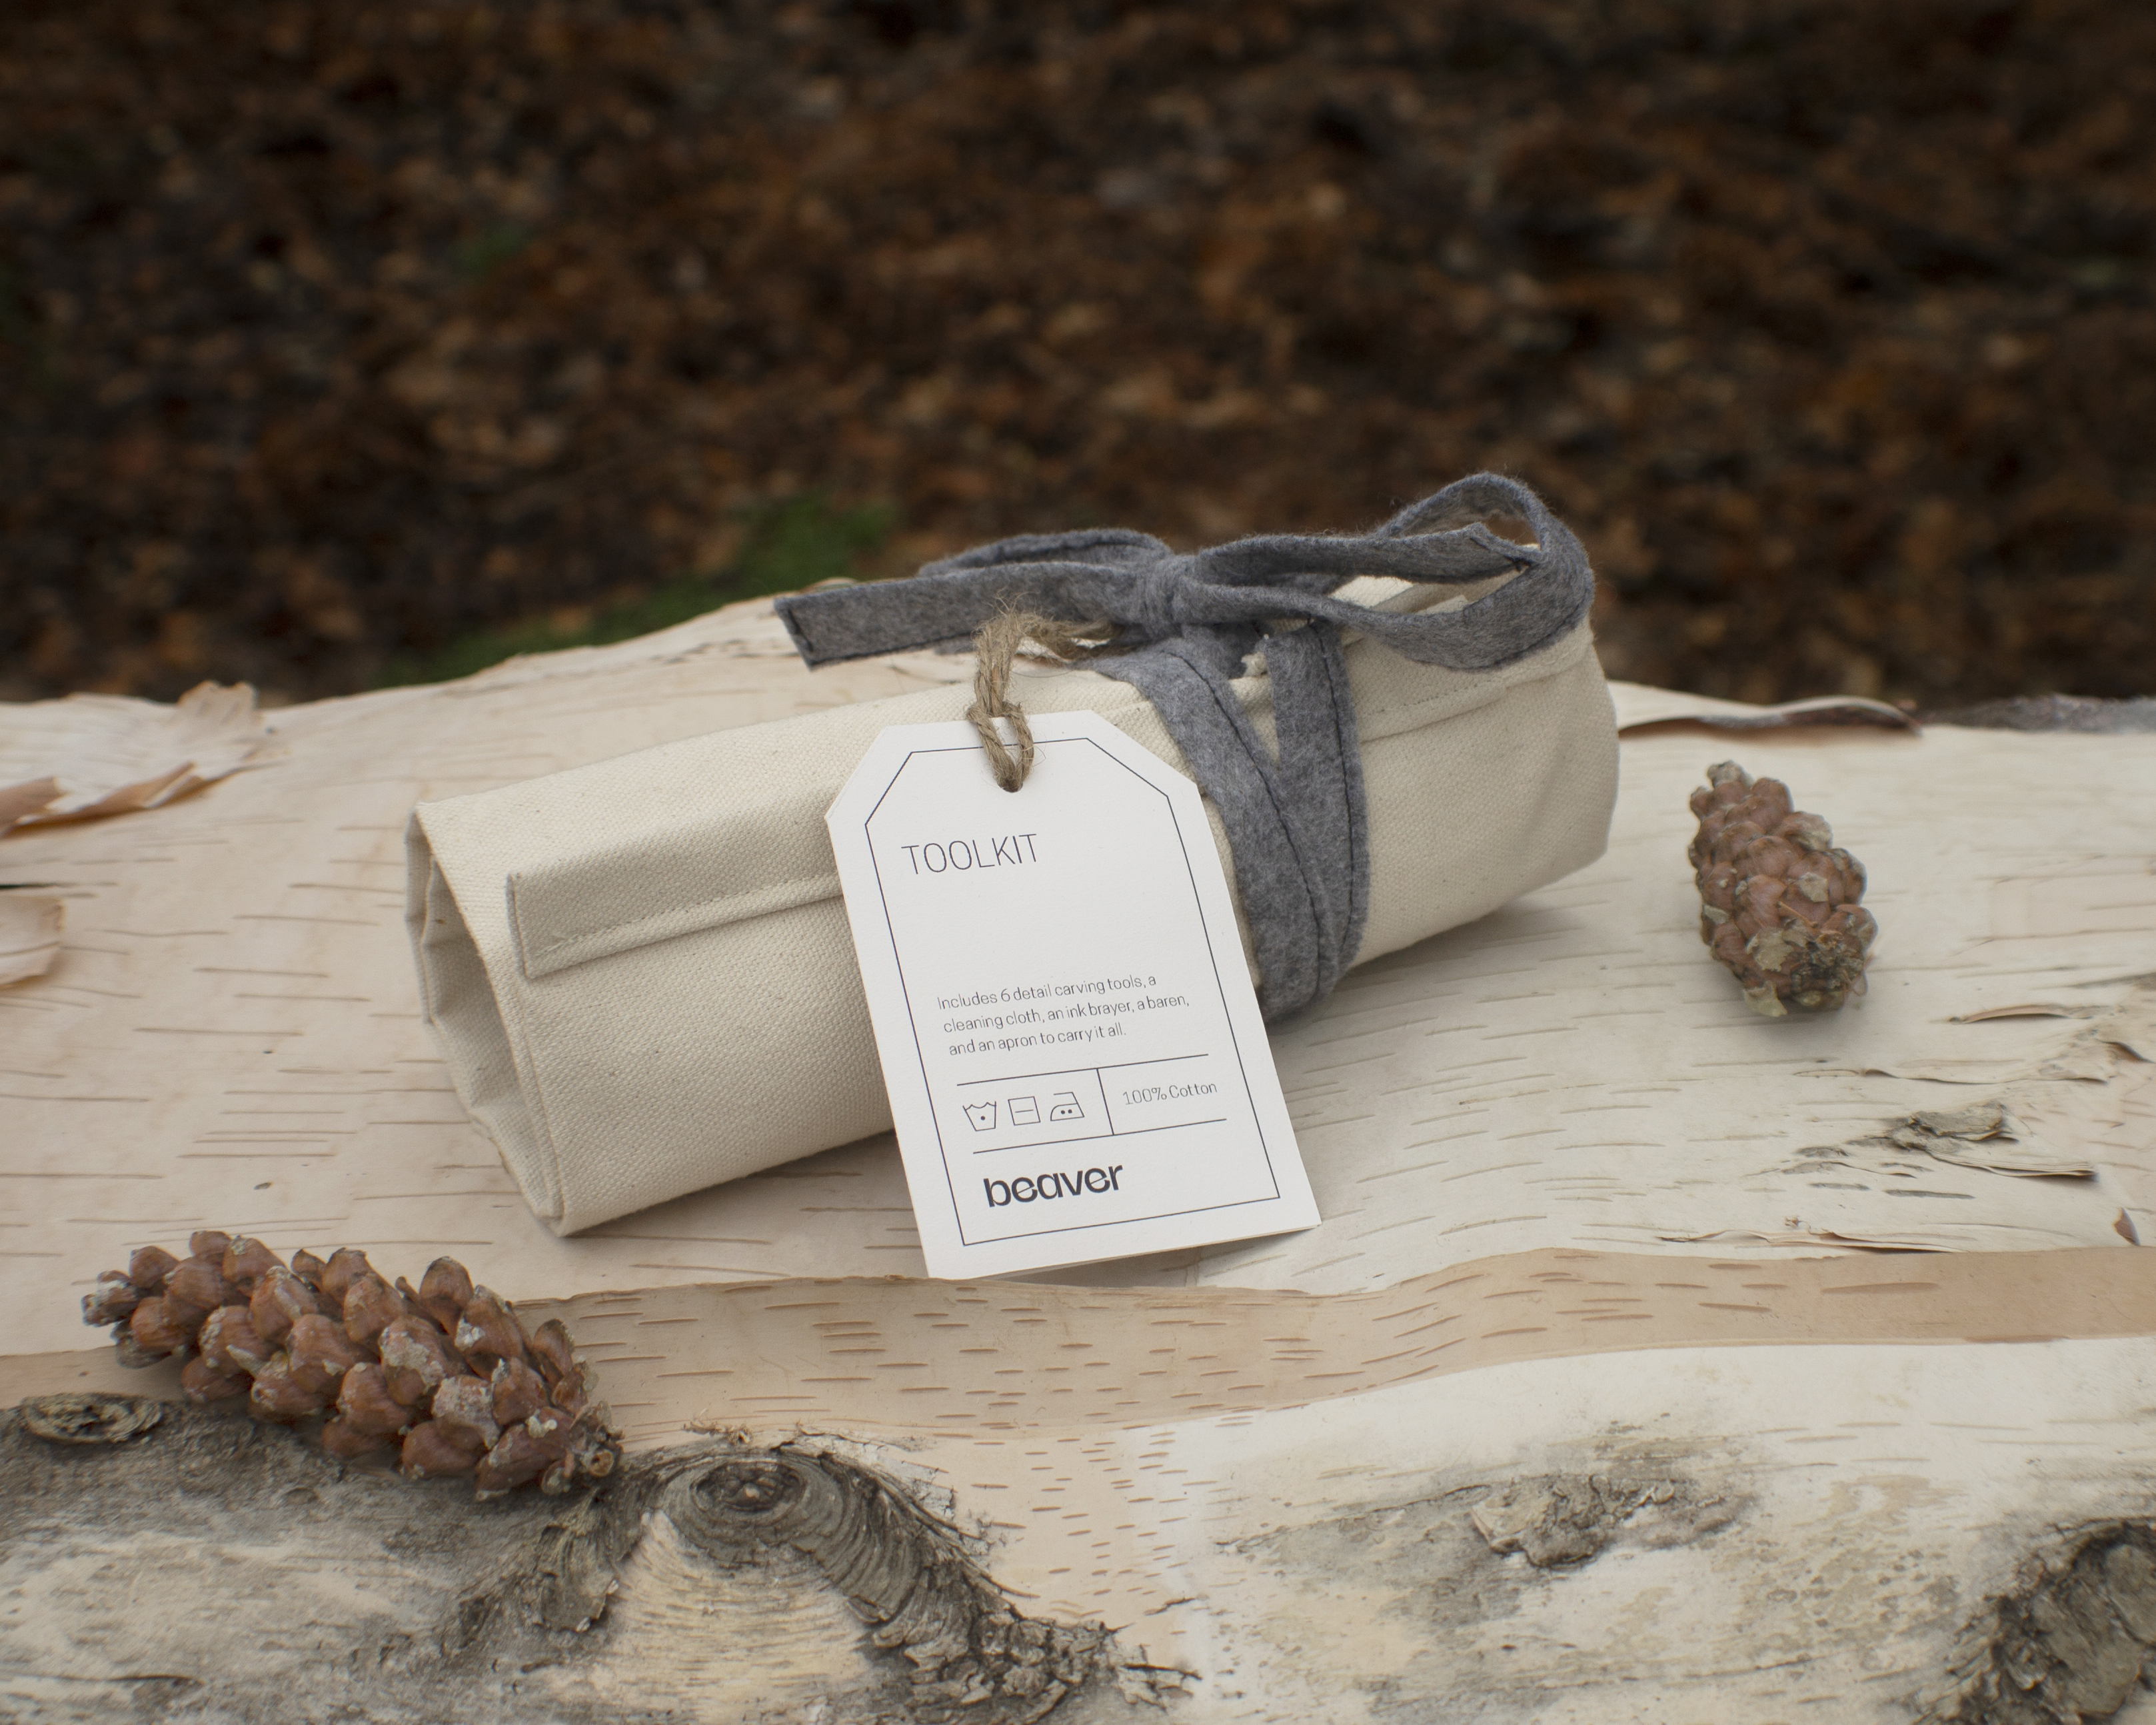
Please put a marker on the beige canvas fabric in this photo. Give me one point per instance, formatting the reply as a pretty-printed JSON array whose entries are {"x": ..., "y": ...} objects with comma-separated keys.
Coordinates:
[{"x": 641, "y": 971}]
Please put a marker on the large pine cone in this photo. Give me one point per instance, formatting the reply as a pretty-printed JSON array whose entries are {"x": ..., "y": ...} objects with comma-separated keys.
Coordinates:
[
  {"x": 1777, "y": 901},
  {"x": 443, "y": 1376}
]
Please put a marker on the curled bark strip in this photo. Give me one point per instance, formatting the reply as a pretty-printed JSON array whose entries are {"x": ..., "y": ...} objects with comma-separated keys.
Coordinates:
[{"x": 74, "y": 1419}]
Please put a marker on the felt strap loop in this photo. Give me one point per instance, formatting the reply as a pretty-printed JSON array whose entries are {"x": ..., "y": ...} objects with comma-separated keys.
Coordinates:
[{"x": 1296, "y": 823}]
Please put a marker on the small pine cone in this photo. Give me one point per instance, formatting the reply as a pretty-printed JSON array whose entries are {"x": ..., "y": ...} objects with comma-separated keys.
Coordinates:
[
  {"x": 202, "y": 1382},
  {"x": 230, "y": 1344},
  {"x": 279, "y": 1301},
  {"x": 445, "y": 1373},
  {"x": 148, "y": 1268},
  {"x": 1778, "y": 903},
  {"x": 112, "y": 1300},
  {"x": 417, "y": 1357},
  {"x": 371, "y": 1306},
  {"x": 345, "y": 1266},
  {"x": 247, "y": 1261},
  {"x": 444, "y": 1292}
]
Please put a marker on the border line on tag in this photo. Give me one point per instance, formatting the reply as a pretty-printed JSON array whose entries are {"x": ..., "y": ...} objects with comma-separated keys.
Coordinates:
[{"x": 1213, "y": 958}]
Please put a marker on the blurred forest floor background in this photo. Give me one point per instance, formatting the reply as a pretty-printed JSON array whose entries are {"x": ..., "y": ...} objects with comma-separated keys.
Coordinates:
[{"x": 350, "y": 342}]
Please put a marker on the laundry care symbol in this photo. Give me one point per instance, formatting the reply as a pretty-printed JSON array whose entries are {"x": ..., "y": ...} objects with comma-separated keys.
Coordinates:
[
  {"x": 1066, "y": 1107},
  {"x": 1025, "y": 1110},
  {"x": 982, "y": 1115}
]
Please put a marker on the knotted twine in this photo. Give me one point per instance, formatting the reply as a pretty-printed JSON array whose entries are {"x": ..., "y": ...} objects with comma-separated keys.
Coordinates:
[
  {"x": 1185, "y": 623},
  {"x": 996, "y": 646}
]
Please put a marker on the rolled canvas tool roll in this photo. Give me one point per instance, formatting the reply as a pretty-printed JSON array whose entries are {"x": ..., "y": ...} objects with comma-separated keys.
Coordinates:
[{"x": 641, "y": 971}]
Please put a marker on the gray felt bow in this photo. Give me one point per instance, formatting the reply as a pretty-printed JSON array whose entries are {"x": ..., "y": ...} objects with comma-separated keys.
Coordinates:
[{"x": 1297, "y": 823}]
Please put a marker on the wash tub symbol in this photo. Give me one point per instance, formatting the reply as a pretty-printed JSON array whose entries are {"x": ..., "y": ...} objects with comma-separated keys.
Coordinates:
[
  {"x": 982, "y": 1116},
  {"x": 1066, "y": 1107}
]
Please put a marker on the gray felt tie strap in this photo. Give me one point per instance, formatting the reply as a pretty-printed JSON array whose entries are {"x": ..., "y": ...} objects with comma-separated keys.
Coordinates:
[{"x": 1296, "y": 824}]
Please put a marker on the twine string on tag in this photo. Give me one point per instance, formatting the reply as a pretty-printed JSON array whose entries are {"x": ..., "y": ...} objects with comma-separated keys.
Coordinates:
[
  {"x": 996, "y": 644},
  {"x": 1181, "y": 627}
]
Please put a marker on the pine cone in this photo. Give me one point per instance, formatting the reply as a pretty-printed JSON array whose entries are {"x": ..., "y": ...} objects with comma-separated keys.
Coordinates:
[
  {"x": 442, "y": 1378},
  {"x": 1778, "y": 902}
]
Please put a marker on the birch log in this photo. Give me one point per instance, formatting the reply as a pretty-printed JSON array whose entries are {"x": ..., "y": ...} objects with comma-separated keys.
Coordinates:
[
  {"x": 1856, "y": 1533},
  {"x": 1652, "y": 1362}
]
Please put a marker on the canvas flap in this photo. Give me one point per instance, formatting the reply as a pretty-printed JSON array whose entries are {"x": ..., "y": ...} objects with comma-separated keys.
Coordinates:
[{"x": 701, "y": 872}]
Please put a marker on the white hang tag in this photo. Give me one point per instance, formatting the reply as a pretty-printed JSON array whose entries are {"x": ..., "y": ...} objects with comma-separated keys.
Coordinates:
[{"x": 1076, "y": 1063}]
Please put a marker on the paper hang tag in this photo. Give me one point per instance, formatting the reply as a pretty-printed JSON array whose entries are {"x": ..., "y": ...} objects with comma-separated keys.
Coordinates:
[{"x": 1076, "y": 1063}]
